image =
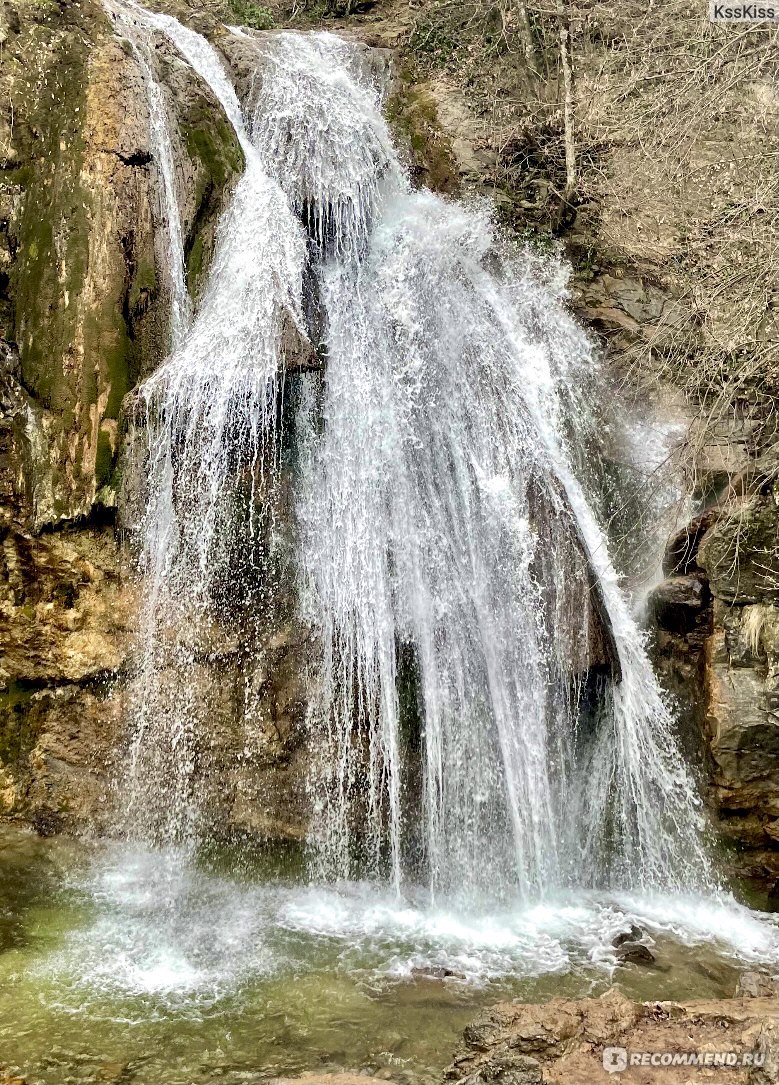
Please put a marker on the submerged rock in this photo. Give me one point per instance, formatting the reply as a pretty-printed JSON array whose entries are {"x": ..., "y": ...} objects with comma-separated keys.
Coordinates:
[
  {"x": 633, "y": 935},
  {"x": 634, "y": 953},
  {"x": 433, "y": 972},
  {"x": 330, "y": 1079}
]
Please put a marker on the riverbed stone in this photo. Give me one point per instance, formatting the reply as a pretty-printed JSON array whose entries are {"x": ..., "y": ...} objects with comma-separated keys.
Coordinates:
[{"x": 570, "y": 1039}]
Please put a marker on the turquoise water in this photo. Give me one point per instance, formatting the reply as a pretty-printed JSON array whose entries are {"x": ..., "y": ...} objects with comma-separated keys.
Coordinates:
[{"x": 127, "y": 966}]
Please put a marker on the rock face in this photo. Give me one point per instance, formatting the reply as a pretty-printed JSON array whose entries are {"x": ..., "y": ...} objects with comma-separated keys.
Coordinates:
[
  {"x": 83, "y": 315},
  {"x": 567, "y": 1041},
  {"x": 718, "y": 612},
  {"x": 85, "y": 294}
]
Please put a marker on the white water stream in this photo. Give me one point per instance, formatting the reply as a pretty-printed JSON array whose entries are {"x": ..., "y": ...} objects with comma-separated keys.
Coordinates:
[
  {"x": 480, "y": 803},
  {"x": 444, "y": 524}
]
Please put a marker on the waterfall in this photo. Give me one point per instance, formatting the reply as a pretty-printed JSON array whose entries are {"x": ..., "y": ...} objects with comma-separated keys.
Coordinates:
[
  {"x": 486, "y": 719},
  {"x": 448, "y": 548},
  {"x": 137, "y": 32},
  {"x": 497, "y": 793},
  {"x": 198, "y": 442}
]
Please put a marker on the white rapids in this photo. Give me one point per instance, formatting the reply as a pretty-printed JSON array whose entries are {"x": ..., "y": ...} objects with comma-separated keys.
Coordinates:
[{"x": 167, "y": 930}]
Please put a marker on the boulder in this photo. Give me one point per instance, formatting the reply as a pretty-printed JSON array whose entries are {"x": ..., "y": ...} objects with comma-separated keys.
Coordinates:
[
  {"x": 634, "y": 953},
  {"x": 757, "y": 985},
  {"x": 678, "y": 603}
]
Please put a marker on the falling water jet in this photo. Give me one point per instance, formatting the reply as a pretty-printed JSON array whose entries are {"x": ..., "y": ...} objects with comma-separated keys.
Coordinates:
[
  {"x": 138, "y": 33},
  {"x": 448, "y": 551},
  {"x": 454, "y": 392},
  {"x": 199, "y": 448}
]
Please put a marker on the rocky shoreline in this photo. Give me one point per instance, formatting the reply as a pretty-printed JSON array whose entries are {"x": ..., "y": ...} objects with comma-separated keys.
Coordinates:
[{"x": 573, "y": 1041}]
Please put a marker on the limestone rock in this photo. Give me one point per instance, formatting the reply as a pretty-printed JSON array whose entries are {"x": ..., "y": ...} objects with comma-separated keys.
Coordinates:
[
  {"x": 718, "y": 623},
  {"x": 742, "y": 722},
  {"x": 757, "y": 985},
  {"x": 567, "y": 1040},
  {"x": 86, "y": 300},
  {"x": 740, "y": 552}
]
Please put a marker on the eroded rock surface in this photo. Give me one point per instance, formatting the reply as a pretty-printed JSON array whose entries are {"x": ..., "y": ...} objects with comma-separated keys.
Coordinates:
[
  {"x": 718, "y": 612},
  {"x": 565, "y": 1041}
]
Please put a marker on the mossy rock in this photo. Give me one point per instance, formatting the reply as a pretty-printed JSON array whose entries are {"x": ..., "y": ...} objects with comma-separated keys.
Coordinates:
[
  {"x": 413, "y": 117},
  {"x": 740, "y": 553},
  {"x": 19, "y": 725},
  {"x": 67, "y": 314},
  {"x": 213, "y": 147}
]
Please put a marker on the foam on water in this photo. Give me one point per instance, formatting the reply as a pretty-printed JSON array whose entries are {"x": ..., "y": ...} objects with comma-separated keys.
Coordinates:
[{"x": 172, "y": 935}]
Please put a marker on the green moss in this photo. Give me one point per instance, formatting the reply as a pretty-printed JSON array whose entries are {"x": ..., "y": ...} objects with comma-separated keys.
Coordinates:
[
  {"x": 413, "y": 116},
  {"x": 196, "y": 265},
  {"x": 213, "y": 143},
  {"x": 143, "y": 286},
  {"x": 104, "y": 459},
  {"x": 54, "y": 229},
  {"x": 73, "y": 321},
  {"x": 17, "y": 732}
]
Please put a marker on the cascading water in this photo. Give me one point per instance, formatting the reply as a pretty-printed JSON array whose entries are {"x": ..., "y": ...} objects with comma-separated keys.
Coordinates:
[
  {"x": 138, "y": 33},
  {"x": 448, "y": 544},
  {"x": 200, "y": 424},
  {"x": 485, "y": 726}
]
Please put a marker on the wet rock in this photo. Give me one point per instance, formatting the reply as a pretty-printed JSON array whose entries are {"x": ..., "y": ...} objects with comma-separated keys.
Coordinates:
[
  {"x": 681, "y": 552},
  {"x": 633, "y": 935},
  {"x": 678, "y": 602},
  {"x": 634, "y": 953},
  {"x": 513, "y": 1070},
  {"x": 740, "y": 552},
  {"x": 8, "y": 1077},
  {"x": 433, "y": 972},
  {"x": 772, "y": 904},
  {"x": 83, "y": 295},
  {"x": 317, "y": 1078}
]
